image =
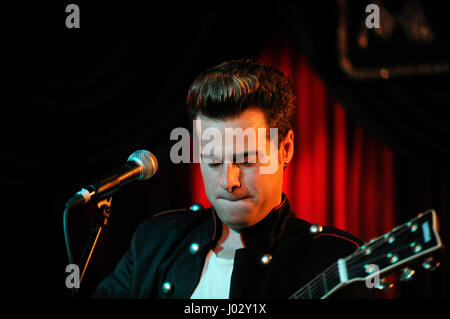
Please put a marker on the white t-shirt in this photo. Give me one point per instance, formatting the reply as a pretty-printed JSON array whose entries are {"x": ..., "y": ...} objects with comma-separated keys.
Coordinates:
[{"x": 215, "y": 279}]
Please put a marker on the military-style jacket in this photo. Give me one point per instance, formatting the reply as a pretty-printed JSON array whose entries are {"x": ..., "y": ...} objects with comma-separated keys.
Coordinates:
[{"x": 281, "y": 254}]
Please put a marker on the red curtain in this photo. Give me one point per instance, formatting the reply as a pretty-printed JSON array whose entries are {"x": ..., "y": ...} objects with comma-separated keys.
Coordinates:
[{"x": 339, "y": 176}]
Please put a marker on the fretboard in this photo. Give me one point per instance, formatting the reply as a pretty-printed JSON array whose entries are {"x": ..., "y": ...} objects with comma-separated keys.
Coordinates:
[{"x": 320, "y": 286}]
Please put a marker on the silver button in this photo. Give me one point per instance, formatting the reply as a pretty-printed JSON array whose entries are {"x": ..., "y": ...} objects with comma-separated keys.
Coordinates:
[
  {"x": 315, "y": 229},
  {"x": 196, "y": 207},
  {"x": 194, "y": 248},
  {"x": 167, "y": 288},
  {"x": 266, "y": 258}
]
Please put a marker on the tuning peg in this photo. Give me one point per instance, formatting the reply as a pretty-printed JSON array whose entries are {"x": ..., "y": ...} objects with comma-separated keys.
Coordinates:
[
  {"x": 430, "y": 264},
  {"x": 385, "y": 285},
  {"x": 407, "y": 274}
]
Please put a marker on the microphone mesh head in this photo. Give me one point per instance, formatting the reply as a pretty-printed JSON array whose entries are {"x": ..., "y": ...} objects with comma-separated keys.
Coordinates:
[{"x": 147, "y": 161}]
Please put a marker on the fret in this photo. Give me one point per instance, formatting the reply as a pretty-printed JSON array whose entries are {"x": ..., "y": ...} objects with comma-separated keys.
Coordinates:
[
  {"x": 333, "y": 279},
  {"x": 320, "y": 285},
  {"x": 324, "y": 283},
  {"x": 403, "y": 245},
  {"x": 317, "y": 283}
]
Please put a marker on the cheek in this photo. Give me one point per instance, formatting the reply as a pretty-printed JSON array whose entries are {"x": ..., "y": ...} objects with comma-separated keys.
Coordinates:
[
  {"x": 208, "y": 183},
  {"x": 210, "y": 177},
  {"x": 252, "y": 181},
  {"x": 205, "y": 174},
  {"x": 267, "y": 182}
]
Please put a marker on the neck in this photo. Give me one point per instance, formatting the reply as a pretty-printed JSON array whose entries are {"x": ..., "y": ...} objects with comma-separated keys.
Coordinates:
[{"x": 228, "y": 243}]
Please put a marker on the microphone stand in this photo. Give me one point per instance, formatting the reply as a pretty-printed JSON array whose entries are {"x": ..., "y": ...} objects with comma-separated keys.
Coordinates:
[
  {"x": 105, "y": 210},
  {"x": 101, "y": 222}
]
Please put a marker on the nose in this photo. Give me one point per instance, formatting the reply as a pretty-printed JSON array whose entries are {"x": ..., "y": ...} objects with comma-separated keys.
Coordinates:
[{"x": 229, "y": 179}]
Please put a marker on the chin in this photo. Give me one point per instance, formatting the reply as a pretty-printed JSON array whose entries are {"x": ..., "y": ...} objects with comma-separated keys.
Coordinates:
[
  {"x": 237, "y": 224},
  {"x": 233, "y": 215}
]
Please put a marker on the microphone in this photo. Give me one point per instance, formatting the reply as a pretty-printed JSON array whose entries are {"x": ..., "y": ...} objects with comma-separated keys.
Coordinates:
[{"x": 141, "y": 165}]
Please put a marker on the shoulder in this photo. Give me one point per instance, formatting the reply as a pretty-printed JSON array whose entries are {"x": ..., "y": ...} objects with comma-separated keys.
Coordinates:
[
  {"x": 331, "y": 234},
  {"x": 324, "y": 238},
  {"x": 333, "y": 242},
  {"x": 172, "y": 220}
]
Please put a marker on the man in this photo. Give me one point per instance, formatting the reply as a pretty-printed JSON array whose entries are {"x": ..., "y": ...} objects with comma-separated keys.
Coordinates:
[{"x": 248, "y": 244}]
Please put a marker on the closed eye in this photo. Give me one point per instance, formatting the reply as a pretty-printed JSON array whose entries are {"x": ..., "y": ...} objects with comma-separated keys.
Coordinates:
[{"x": 246, "y": 163}]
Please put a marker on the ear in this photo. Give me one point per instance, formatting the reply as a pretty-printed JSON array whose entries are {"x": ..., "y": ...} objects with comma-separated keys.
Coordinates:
[{"x": 287, "y": 148}]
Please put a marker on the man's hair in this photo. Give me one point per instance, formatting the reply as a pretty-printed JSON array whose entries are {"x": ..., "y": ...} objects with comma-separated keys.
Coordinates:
[{"x": 227, "y": 90}]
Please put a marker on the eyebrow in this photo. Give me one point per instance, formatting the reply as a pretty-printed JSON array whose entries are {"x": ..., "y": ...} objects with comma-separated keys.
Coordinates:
[{"x": 242, "y": 155}]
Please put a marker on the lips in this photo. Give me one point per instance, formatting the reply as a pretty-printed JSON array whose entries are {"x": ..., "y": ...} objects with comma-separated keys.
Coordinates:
[{"x": 233, "y": 199}]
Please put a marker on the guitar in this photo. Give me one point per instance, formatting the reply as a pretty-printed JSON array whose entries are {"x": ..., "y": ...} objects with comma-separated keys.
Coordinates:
[{"x": 404, "y": 244}]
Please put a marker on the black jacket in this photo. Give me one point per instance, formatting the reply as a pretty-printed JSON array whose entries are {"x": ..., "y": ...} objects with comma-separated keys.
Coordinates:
[{"x": 168, "y": 252}]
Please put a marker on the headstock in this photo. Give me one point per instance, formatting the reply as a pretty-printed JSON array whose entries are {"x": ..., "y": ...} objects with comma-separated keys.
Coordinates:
[{"x": 405, "y": 244}]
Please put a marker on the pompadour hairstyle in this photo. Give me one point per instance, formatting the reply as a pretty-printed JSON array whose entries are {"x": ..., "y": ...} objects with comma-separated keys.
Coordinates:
[{"x": 227, "y": 90}]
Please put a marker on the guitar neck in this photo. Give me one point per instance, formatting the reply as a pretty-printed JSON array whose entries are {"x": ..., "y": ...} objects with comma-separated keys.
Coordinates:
[
  {"x": 321, "y": 286},
  {"x": 404, "y": 244}
]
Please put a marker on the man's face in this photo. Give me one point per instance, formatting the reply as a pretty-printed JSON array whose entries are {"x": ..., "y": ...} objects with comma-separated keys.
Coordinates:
[{"x": 233, "y": 173}]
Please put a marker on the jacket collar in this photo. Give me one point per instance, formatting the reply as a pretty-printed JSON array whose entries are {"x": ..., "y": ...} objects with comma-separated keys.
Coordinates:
[{"x": 265, "y": 233}]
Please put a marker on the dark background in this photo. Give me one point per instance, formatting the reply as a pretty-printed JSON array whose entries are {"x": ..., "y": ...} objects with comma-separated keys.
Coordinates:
[{"x": 77, "y": 102}]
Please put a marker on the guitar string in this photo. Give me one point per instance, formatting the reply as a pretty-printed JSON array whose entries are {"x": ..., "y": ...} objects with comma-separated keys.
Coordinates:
[
  {"x": 351, "y": 268},
  {"x": 370, "y": 261},
  {"x": 315, "y": 284},
  {"x": 312, "y": 289},
  {"x": 352, "y": 265},
  {"x": 376, "y": 244},
  {"x": 307, "y": 287}
]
